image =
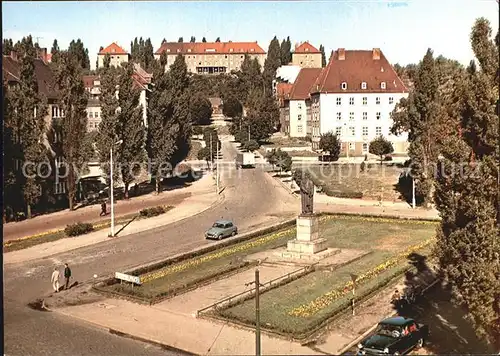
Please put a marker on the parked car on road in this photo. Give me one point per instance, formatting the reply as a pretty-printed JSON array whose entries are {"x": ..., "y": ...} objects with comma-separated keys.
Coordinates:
[
  {"x": 394, "y": 336},
  {"x": 221, "y": 229}
]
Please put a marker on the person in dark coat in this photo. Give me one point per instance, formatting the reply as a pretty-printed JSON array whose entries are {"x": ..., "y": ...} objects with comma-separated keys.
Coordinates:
[
  {"x": 103, "y": 209},
  {"x": 67, "y": 275}
]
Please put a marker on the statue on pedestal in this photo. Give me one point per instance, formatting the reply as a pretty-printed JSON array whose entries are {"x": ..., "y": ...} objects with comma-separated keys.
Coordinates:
[{"x": 306, "y": 195}]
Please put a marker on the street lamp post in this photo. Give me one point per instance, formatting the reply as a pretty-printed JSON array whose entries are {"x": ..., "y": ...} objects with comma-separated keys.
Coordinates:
[
  {"x": 413, "y": 192},
  {"x": 217, "y": 168},
  {"x": 111, "y": 188}
]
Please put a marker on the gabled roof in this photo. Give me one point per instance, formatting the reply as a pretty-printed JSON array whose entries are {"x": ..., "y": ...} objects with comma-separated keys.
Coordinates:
[
  {"x": 304, "y": 83},
  {"x": 283, "y": 89},
  {"x": 306, "y": 47},
  {"x": 357, "y": 67},
  {"x": 113, "y": 48},
  {"x": 210, "y": 47}
]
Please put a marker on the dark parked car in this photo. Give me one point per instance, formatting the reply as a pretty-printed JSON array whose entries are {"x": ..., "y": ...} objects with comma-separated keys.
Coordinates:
[
  {"x": 221, "y": 229},
  {"x": 394, "y": 336}
]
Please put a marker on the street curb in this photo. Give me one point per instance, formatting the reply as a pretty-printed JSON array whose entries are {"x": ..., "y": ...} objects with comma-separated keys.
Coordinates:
[{"x": 123, "y": 334}]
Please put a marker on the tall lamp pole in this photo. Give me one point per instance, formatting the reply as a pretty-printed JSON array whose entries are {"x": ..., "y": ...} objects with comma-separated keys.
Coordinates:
[
  {"x": 111, "y": 188},
  {"x": 413, "y": 192},
  {"x": 217, "y": 168}
]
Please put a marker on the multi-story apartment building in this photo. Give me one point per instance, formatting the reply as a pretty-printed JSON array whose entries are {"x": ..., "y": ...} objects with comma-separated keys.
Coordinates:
[
  {"x": 116, "y": 53},
  {"x": 354, "y": 97},
  {"x": 283, "y": 91},
  {"x": 296, "y": 102},
  {"x": 212, "y": 57},
  {"x": 306, "y": 55},
  {"x": 142, "y": 81}
]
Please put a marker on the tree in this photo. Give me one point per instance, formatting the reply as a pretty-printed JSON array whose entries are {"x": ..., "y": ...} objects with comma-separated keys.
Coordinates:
[
  {"x": 380, "y": 146},
  {"x": 286, "y": 51},
  {"x": 271, "y": 157},
  {"x": 467, "y": 194},
  {"x": 217, "y": 39},
  {"x": 201, "y": 110},
  {"x": 250, "y": 145},
  {"x": 204, "y": 40},
  {"x": 106, "y": 62},
  {"x": 28, "y": 119},
  {"x": 232, "y": 108},
  {"x": 212, "y": 141},
  {"x": 97, "y": 59},
  {"x": 250, "y": 76},
  {"x": 272, "y": 63},
  {"x": 193, "y": 39},
  {"x": 73, "y": 101},
  {"x": 77, "y": 50},
  {"x": 8, "y": 46},
  {"x": 204, "y": 154},
  {"x": 163, "y": 41},
  {"x": 55, "y": 51},
  {"x": 323, "y": 56},
  {"x": 180, "y": 40},
  {"x": 262, "y": 116},
  {"x": 329, "y": 142},
  {"x": 148, "y": 55}
]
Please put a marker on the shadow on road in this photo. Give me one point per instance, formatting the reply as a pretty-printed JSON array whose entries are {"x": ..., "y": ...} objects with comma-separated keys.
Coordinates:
[{"x": 450, "y": 333}]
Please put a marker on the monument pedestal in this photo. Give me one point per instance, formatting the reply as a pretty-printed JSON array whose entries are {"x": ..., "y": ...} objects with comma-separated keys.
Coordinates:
[{"x": 308, "y": 241}]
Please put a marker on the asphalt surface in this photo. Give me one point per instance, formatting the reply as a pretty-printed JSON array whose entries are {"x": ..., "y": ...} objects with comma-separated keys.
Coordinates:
[{"x": 250, "y": 198}]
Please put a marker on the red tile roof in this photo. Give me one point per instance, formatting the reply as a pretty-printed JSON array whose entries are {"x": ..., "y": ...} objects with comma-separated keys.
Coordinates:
[
  {"x": 283, "y": 89},
  {"x": 113, "y": 48},
  {"x": 358, "y": 67},
  {"x": 306, "y": 47},
  {"x": 211, "y": 47},
  {"x": 304, "y": 83},
  {"x": 88, "y": 81}
]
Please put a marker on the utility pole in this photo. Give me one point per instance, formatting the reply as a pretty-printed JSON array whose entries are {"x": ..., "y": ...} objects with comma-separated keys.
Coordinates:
[
  {"x": 413, "y": 192},
  {"x": 217, "y": 169},
  {"x": 248, "y": 132},
  {"x": 211, "y": 153},
  {"x": 257, "y": 313}
]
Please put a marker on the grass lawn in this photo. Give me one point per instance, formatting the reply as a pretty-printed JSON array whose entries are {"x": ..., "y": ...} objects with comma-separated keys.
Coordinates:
[
  {"x": 192, "y": 271},
  {"x": 384, "y": 239},
  {"x": 193, "y": 153},
  {"x": 347, "y": 178},
  {"x": 276, "y": 142}
]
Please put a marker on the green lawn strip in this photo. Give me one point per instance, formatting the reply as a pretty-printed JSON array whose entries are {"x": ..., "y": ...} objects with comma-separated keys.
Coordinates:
[
  {"x": 195, "y": 273},
  {"x": 15, "y": 245},
  {"x": 276, "y": 304}
]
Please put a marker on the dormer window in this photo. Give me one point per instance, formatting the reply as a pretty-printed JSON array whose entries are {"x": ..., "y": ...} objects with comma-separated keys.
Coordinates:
[
  {"x": 363, "y": 85},
  {"x": 189, "y": 49},
  {"x": 168, "y": 50},
  {"x": 344, "y": 86},
  {"x": 382, "y": 85}
]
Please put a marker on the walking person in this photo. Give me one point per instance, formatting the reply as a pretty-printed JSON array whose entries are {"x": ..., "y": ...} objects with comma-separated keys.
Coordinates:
[
  {"x": 103, "y": 209},
  {"x": 67, "y": 275},
  {"x": 55, "y": 279}
]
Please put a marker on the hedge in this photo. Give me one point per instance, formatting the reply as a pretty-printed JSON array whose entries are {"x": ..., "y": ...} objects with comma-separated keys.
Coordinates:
[{"x": 78, "y": 229}]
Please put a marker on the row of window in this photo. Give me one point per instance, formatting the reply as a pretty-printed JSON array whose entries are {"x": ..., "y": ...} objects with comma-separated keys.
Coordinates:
[
  {"x": 378, "y": 116},
  {"x": 93, "y": 124},
  {"x": 352, "y": 131},
  {"x": 365, "y": 100},
  {"x": 363, "y": 85},
  {"x": 92, "y": 114},
  {"x": 56, "y": 112}
]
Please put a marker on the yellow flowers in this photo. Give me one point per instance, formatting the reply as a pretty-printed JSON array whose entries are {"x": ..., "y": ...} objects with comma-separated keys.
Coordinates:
[
  {"x": 219, "y": 254},
  {"x": 325, "y": 300},
  {"x": 386, "y": 220}
]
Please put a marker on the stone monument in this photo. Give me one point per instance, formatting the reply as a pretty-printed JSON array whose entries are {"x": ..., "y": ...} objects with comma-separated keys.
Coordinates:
[{"x": 307, "y": 242}]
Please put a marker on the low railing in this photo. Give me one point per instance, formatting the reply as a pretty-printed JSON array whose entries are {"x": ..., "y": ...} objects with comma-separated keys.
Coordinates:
[{"x": 263, "y": 287}]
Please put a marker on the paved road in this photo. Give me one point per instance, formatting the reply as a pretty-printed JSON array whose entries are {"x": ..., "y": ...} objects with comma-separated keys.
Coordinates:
[{"x": 251, "y": 198}]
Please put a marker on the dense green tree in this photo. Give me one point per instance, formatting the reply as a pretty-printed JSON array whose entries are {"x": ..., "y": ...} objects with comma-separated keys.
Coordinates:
[
  {"x": 467, "y": 194},
  {"x": 286, "y": 51},
  {"x": 380, "y": 146},
  {"x": 262, "y": 116},
  {"x": 272, "y": 63},
  {"x": 148, "y": 55},
  {"x": 323, "y": 55},
  {"x": 73, "y": 102},
  {"x": 329, "y": 142},
  {"x": 201, "y": 109},
  {"x": 78, "y": 51},
  {"x": 250, "y": 76},
  {"x": 193, "y": 39},
  {"x": 204, "y": 154},
  {"x": 106, "y": 62},
  {"x": 232, "y": 108},
  {"x": 250, "y": 145},
  {"x": 27, "y": 117},
  {"x": 212, "y": 141},
  {"x": 180, "y": 40},
  {"x": 279, "y": 158},
  {"x": 55, "y": 50},
  {"x": 8, "y": 46},
  {"x": 204, "y": 40},
  {"x": 217, "y": 39}
]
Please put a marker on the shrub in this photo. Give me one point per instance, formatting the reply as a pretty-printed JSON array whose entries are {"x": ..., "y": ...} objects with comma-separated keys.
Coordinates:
[
  {"x": 78, "y": 229},
  {"x": 362, "y": 166},
  {"x": 154, "y": 211},
  {"x": 342, "y": 194},
  {"x": 251, "y": 145},
  {"x": 388, "y": 158}
]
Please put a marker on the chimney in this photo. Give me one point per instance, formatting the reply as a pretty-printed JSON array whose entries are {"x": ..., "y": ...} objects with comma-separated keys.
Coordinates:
[
  {"x": 13, "y": 55},
  {"x": 42, "y": 54},
  {"x": 341, "y": 52},
  {"x": 376, "y": 54}
]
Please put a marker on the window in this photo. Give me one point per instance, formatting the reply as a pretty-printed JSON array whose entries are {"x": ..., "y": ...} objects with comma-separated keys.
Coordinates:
[
  {"x": 363, "y": 85},
  {"x": 365, "y": 147},
  {"x": 351, "y": 101},
  {"x": 377, "y": 100},
  {"x": 299, "y": 106},
  {"x": 352, "y": 130},
  {"x": 365, "y": 115},
  {"x": 299, "y": 128},
  {"x": 344, "y": 86},
  {"x": 391, "y": 100},
  {"x": 339, "y": 116},
  {"x": 60, "y": 188},
  {"x": 90, "y": 115},
  {"x": 365, "y": 100},
  {"x": 339, "y": 101},
  {"x": 365, "y": 130},
  {"x": 351, "y": 116},
  {"x": 299, "y": 117},
  {"x": 338, "y": 131},
  {"x": 378, "y": 131},
  {"x": 96, "y": 114},
  {"x": 351, "y": 146},
  {"x": 382, "y": 85},
  {"x": 377, "y": 115}
]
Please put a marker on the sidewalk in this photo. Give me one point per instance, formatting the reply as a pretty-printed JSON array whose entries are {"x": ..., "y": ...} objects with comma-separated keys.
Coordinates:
[
  {"x": 191, "y": 206},
  {"x": 182, "y": 331},
  {"x": 59, "y": 220}
]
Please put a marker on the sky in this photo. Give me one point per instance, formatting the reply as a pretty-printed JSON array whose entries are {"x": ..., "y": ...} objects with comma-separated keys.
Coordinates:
[{"x": 404, "y": 30}]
